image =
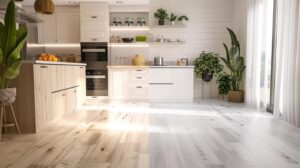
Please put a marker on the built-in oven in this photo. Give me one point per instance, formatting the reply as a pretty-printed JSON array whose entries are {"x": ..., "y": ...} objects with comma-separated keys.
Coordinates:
[
  {"x": 95, "y": 55},
  {"x": 96, "y": 83}
]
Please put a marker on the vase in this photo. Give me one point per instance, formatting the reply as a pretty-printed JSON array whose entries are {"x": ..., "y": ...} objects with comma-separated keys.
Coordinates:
[
  {"x": 138, "y": 60},
  {"x": 207, "y": 77},
  {"x": 173, "y": 23},
  {"x": 236, "y": 96},
  {"x": 7, "y": 96},
  {"x": 161, "y": 22}
]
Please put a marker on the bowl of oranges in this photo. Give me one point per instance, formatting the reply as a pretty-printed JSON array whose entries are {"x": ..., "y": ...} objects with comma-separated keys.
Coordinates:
[{"x": 47, "y": 57}]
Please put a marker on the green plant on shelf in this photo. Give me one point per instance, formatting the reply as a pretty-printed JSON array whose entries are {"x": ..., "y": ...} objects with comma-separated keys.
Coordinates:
[
  {"x": 183, "y": 18},
  {"x": 161, "y": 15},
  {"x": 141, "y": 38}
]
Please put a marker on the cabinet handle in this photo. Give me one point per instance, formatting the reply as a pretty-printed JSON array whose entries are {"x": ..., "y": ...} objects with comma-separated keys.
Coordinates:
[
  {"x": 94, "y": 17},
  {"x": 94, "y": 39},
  {"x": 81, "y": 67},
  {"x": 43, "y": 66},
  {"x": 75, "y": 91},
  {"x": 64, "y": 95},
  {"x": 139, "y": 70},
  {"x": 139, "y": 87},
  {"x": 138, "y": 77}
]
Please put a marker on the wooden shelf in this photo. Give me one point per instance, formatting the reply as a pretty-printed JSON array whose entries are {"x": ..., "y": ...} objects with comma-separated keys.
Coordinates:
[
  {"x": 136, "y": 44},
  {"x": 168, "y": 26},
  {"x": 164, "y": 43},
  {"x": 129, "y": 28}
]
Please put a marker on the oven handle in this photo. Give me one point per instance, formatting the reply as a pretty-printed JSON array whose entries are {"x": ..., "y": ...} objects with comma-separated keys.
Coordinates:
[
  {"x": 93, "y": 50},
  {"x": 96, "y": 77}
]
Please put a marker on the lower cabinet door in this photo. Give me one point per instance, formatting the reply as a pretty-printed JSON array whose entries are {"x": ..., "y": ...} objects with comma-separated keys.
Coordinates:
[
  {"x": 59, "y": 103},
  {"x": 160, "y": 91},
  {"x": 138, "y": 92},
  {"x": 71, "y": 100}
]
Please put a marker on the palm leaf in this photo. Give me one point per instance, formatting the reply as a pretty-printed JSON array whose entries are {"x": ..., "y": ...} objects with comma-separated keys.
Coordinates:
[
  {"x": 14, "y": 70},
  {"x": 8, "y": 39}
]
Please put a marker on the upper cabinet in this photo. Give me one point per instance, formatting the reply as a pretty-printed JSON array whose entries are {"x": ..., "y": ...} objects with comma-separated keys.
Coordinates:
[
  {"x": 94, "y": 22},
  {"x": 60, "y": 27}
]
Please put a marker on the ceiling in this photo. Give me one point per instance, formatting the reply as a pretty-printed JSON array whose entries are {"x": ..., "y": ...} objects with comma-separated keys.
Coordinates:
[{"x": 111, "y": 2}]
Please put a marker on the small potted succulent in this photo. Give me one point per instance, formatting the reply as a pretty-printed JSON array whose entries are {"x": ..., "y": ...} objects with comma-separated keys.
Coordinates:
[
  {"x": 141, "y": 21},
  {"x": 172, "y": 19},
  {"x": 183, "y": 18},
  {"x": 129, "y": 21},
  {"x": 11, "y": 43},
  {"x": 207, "y": 65},
  {"x": 161, "y": 14}
]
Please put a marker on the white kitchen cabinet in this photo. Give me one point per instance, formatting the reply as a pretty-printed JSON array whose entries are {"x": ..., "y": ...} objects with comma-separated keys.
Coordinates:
[
  {"x": 94, "y": 22},
  {"x": 118, "y": 84},
  {"x": 46, "y": 92},
  {"x": 171, "y": 84},
  {"x": 68, "y": 27},
  {"x": 47, "y": 29},
  {"x": 128, "y": 83},
  {"x": 60, "y": 27}
]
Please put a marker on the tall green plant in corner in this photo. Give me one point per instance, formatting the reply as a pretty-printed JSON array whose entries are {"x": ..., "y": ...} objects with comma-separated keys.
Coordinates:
[
  {"x": 235, "y": 63},
  {"x": 11, "y": 43}
]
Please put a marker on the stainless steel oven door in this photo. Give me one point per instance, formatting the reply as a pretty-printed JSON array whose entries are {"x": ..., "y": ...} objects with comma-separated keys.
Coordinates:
[{"x": 97, "y": 85}]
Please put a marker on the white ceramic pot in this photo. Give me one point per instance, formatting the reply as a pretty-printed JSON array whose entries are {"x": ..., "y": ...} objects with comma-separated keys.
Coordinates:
[
  {"x": 173, "y": 23},
  {"x": 7, "y": 96}
]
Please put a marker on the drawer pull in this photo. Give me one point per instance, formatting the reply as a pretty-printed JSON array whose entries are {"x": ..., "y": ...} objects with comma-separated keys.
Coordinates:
[
  {"x": 94, "y": 17},
  {"x": 74, "y": 91},
  {"x": 139, "y": 70},
  {"x": 161, "y": 83},
  {"x": 64, "y": 95},
  {"x": 81, "y": 67},
  {"x": 139, "y": 78},
  {"x": 94, "y": 39},
  {"x": 139, "y": 87},
  {"x": 43, "y": 66}
]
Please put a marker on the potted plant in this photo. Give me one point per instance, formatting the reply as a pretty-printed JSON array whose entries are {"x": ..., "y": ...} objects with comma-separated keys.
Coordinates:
[
  {"x": 11, "y": 43},
  {"x": 207, "y": 65},
  {"x": 182, "y": 18},
  {"x": 173, "y": 19},
  {"x": 141, "y": 21},
  {"x": 117, "y": 21},
  {"x": 224, "y": 84},
  {"x": 235, "y": 63},
  {"x": 129, "y": 21},
  {"x": 161, "y": 14}
]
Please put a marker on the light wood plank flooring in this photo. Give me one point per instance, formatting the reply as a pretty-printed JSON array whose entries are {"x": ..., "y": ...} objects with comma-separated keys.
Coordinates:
[{"x": 205, "y": 134}]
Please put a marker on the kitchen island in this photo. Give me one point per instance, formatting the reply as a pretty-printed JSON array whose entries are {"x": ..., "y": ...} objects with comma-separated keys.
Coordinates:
[
  {"x": 46, "y": 91},
  {"x": 151, "y": 83}
]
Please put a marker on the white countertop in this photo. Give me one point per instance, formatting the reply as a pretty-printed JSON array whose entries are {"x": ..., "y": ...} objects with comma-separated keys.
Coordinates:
[
  {"x": 131, "y": 66},
  {"x": 52, "y": 63}
]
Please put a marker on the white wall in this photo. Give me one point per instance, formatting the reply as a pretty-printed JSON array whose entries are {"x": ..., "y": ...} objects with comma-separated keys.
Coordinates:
[
  {"x": 240, "y": 25},
  {"x": 206, "y": 30}
]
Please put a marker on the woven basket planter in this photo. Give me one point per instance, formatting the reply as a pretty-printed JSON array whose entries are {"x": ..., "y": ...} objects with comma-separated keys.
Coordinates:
[
  {"x": 236, "y": 96},
  {"x": 7, "y": 96}
]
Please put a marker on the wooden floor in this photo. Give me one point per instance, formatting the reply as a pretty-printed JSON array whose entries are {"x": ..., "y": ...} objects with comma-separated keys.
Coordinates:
[{"x": 206, "y": 134}]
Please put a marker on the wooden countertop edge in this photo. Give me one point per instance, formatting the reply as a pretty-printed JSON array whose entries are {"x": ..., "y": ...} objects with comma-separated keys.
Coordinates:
[{"x": 52, "y": 63}]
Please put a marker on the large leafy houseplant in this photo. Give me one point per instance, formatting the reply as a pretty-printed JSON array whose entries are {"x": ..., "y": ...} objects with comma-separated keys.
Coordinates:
[
  {"x": 207, "y": 65},
  {"x": 224, "y": 84},
  {"x": 235, "y": 63},
  {"x": 11, "y": 43},
  {"x": 161, "y": 14}
]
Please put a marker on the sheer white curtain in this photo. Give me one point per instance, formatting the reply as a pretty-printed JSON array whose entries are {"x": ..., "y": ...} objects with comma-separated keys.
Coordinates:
[
  {"x": 259, "y": 51},
  {"x": 287, "y": 85}
]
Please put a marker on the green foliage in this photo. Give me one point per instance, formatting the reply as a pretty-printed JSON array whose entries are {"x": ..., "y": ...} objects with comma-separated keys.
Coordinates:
[
  {"x": 141, "y": 38},
  {"x": 234, "y": 61},
  {"x": 173, "y": 17},
  {"x": 224, "y": 83},
  {"x": 207, "y": 63},
  {"x": 183, "y": 17},
  {"x": 11, "y": 43},
  {"x": 161, "y": 14}
]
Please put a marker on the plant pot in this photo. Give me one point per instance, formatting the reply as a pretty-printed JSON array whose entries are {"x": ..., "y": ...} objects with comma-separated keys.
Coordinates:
[
  {"x": 206, "y": 77},
  {"x": 236, "y": 96},
  {"x": 161, "y": 22},
  {"x": 7, "y": 96},
  {"x": 173, "y": 23}
]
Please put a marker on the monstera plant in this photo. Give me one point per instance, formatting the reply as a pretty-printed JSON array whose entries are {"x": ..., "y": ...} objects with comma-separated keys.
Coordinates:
[
  {"x": 235, "y": 63},
  {"x": 11, "y": 43}
]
